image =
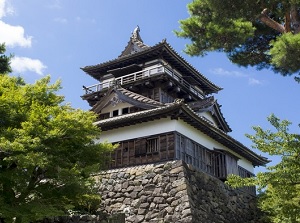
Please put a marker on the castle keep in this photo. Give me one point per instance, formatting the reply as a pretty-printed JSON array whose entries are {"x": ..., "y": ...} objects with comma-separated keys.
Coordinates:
[{"x": 162, "y": 113}]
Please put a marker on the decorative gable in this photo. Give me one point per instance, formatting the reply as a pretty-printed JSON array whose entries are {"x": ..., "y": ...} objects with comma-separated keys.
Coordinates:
[
  {"x": 210, "y": 109},
  {"x": 117, "y": 94}
]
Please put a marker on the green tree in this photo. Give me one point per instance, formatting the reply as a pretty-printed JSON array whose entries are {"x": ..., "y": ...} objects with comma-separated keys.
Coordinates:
[
  {"x": 280, "y": 184},
  {"x": 262, "y": 33},
  {"x": 4, "y": 61},
  {"x": 48, "y": 151}
]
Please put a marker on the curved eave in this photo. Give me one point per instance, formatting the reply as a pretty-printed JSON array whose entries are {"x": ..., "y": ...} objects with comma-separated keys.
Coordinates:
[
  {"x": 180, "y": 110},
  {"x": 185, "y": 66},
  {"x": 96, "y": 71},
  {"x": 162, "y": 49}
]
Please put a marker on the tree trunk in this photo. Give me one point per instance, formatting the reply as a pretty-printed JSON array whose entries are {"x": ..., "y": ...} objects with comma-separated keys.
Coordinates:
[
  {"x": 287, "y": 23},
  {"x": 295, "y": 19}
]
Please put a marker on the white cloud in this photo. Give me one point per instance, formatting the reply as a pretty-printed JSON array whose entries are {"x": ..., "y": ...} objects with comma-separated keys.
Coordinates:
[
  {"x": 236, "y": 74},
  {"x": 23, "y": 64},
  {"x": 253, "y": 81},
  {"x": 5, "y": 8},
  {"x": 13, "y": 35},
  {"x": 61, "y": 20},
  {"x": 78, "y": 19},
  {"x": 86, "y": 20},
  {"x": 222, "y": 72},
  {"x": 2, "y": 8},
  {"x": 56, "y": 4}
]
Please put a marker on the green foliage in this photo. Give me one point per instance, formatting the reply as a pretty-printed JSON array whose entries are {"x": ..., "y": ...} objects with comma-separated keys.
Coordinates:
[
  {"x": 48, "y": 151},
  {"x": 280, "y": 184},
  {"x": 236, "y": 28},
  {"x": 285, "y": 53},
  {"x": 4, "y": 61}
]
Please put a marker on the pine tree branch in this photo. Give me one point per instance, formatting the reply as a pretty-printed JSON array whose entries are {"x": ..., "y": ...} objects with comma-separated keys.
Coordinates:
[{"x": 264, "y": 18}]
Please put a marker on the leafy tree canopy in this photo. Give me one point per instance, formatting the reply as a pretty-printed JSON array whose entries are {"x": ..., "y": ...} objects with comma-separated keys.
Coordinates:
[
  {"x": 4, "y": 61},
  {"x": 280, "y": 184},
  {"x": 47, "y": 152},
  {"x": 262, "y": 33}
]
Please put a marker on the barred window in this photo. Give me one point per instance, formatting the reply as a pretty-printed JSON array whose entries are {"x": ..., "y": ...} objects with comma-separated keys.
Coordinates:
[{"x": 152, "y": 145}]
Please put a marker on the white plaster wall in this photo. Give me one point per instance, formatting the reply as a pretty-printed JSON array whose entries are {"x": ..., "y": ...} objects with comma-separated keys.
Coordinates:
[
  {"x": 208, "y": 116},
  {"x": 138, "y": 130},
  {"x": 246, "y": 164},
  {"x": 168, "y": 125},
  {"x": 118, "y": 106}
]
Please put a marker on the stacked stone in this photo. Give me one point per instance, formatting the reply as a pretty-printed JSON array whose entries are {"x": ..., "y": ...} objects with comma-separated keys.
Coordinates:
[
  {"x": 173, "y": 192},
  {"x": 147, "y": 193},
  {"x": 215, "y": 202},
  {"x": 117, "y": 218}
]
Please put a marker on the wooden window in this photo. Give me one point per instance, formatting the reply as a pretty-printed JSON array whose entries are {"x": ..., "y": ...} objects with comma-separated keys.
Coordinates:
[
  {"x": 209, "y": 161},
  {"x": 125, "y": 111},
  {"x": 152, "y": 145},
  {"x": 231, "y": 164},
  {"x": 115, "y": 113},
  {"x": 220, "y": 165},
  {"x": 225, "y": 164},
  {"x": 244, "y": 173}
]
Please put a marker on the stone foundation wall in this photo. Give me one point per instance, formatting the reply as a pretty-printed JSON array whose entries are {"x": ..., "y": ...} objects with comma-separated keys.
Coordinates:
[
  {"x": 173, "y": 192},
  {"x": 115, "y": 218}
]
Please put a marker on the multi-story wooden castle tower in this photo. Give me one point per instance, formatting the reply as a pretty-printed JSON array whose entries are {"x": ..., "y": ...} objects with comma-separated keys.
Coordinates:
[{"x": 158, "y": 107}]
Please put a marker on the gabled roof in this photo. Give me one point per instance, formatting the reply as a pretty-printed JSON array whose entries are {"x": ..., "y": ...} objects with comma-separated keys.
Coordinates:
[
  {"x": 180, "y": 110},
  {"x": 118, "y": 94},
  {"x": 137, "y": 52},
  {"x": 211, "y": 105}
]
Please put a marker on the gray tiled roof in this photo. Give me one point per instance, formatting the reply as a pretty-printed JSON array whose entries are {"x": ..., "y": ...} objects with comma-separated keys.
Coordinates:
[
  {"x": 138, "y": 97},
  {"x": 126, "y": 96}
]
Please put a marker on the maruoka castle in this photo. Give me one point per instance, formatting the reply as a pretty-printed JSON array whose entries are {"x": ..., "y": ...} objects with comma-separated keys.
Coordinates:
[{"x": 174, "y": 151}]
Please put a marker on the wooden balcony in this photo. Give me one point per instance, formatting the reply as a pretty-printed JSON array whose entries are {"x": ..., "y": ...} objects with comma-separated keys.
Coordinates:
[{"x": 145, "y": 74}]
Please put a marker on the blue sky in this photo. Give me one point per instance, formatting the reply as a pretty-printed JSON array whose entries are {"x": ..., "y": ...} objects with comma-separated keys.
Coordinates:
[{"x": 57, "y": 37}]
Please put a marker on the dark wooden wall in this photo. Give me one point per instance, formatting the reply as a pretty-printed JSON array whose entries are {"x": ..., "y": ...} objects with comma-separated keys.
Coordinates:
[
  {"x": 144, "y": 150},
  {"x": 173, "y": 145}
]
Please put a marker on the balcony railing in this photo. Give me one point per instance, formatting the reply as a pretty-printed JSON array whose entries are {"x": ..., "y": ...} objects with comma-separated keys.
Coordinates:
[{"x": 146, "y": 73}]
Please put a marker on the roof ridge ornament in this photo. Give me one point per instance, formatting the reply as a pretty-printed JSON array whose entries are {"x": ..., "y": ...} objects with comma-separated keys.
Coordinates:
[
  {"x": 136, "y": 34},
  {"x": 179, "y": 100}
]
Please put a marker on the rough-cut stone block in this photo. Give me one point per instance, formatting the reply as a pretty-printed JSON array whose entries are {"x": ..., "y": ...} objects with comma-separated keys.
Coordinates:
[{"x": 173, "y": 192}]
